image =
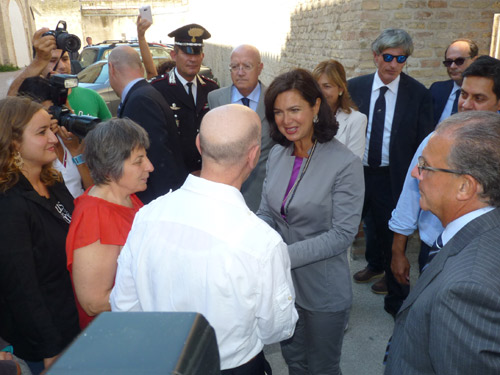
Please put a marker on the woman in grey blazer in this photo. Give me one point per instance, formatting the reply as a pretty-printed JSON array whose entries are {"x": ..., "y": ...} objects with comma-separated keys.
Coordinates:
[{"x": 313, "y": 196}]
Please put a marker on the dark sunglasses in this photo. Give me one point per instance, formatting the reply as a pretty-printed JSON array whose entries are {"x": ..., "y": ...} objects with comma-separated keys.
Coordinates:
[
  {"x": 457, "y": 62},
  {"x": 400, "y": 59}
]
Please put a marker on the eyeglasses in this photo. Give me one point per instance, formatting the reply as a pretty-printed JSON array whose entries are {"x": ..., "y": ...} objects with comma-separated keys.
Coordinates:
[
  {"x": 458, "y": 61},
  {"x": 236, "y": 68},
  {"x": 400, "y": 59},
  {"x": 422, "y": 165}
]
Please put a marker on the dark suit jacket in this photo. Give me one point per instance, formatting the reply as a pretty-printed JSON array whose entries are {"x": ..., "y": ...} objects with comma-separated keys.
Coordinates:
[
  {"x": 450, "y": 322},
  {"x": 147, "y": 107},
  {"x": 252, "y": 187},
  {"x": 411, "y": 123},
  {"x": 37, "y": 307},
  {"x": 188, "y": 117},
  {"x": 440, "y": 92}
]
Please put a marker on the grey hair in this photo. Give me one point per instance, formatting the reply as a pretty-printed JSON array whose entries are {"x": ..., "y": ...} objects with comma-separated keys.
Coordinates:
[
  {"x": 109, "y": 144},
  {"x": 476, "y": 149},
  {"x": 393, "y": 38}
]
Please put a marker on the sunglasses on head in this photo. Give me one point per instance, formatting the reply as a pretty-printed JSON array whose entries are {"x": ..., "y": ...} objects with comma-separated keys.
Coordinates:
[
  {"x": 400, "y": 59},
  {"x": 457, "y": 62}
]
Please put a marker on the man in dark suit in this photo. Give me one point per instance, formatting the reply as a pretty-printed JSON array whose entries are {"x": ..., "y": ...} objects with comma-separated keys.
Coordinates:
[
  {"x": 457, "y": 57},
  {"x": 245, "y": 67},
  {"x": 399, "y": 111},
  {"x": 450, "y": 322},
  {"x": 144, "y": 105},
  {"x": 185, "y": 91}
]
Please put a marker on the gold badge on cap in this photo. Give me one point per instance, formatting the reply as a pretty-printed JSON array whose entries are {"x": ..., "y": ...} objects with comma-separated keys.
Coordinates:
[{"x": 194, "y": 33}]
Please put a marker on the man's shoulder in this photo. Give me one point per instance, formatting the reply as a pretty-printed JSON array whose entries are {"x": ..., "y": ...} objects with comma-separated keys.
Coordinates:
[
  {"x": 441, "y": 85},
  {"x": 412, "y": 83},
  {"x": 361, "y": 79}
]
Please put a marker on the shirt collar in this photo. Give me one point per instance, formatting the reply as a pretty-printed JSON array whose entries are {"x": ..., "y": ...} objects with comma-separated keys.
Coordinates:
[
  {"x": 457, "y": 224},
  {"x": 183, "y": 80},
  {"x": 254, "y": 95},
  {"x": 393, "y": 86},
  {"x": 128, "y": 87},
  {"x": 213, "y": 189}
]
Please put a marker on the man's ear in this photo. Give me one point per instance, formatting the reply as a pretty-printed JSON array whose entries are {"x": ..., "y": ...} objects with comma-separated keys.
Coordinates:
[
  {"x": 198, "y": 145},
  {"x": 468, "y": 188},
  {"x": 253, "y": 156}
]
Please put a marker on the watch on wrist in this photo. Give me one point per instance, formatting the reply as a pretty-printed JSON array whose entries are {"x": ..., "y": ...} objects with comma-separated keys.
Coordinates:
[{"x": 78, "y": 159}]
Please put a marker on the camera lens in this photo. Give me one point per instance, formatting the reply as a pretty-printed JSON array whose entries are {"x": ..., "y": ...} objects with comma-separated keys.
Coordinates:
[{"x": 68, "y": 42}]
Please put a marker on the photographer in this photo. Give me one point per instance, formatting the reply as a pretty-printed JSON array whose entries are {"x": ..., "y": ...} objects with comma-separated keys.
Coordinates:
[
  {"x": 50, "y": 60},
  {"x": 75, "y": 172}
]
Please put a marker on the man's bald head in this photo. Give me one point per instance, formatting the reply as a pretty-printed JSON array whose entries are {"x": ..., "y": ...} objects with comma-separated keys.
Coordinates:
[
  {"x": 227, "y": 134},
  {"x": 125, "y": 65},
  {"x": 245, "y": 67},
  {"x": 125, "y": 57}
]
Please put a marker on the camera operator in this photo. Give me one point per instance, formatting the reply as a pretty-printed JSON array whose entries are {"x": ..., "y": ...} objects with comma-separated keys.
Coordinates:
[
  {"x": 69, "y": 149},
  {"x": 50, "y": 60}
]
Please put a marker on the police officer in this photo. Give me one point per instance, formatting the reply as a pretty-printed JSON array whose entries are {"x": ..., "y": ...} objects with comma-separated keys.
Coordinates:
[{"x": 185, "y": 90}]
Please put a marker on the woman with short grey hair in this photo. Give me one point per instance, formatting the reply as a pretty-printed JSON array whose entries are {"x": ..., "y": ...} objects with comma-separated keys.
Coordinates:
[{"x": 115, "y": 153}]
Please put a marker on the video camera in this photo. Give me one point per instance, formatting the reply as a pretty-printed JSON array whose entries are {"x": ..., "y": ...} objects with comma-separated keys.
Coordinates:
[
  {"x": 77, "y": 124},
  {"x": 64, "y": 40}
]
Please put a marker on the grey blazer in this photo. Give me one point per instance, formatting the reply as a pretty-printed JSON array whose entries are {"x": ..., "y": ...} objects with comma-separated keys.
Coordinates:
[
  {"x": 252, "y": 188},
  {"x": 450, "y": 322},
  {"x": 323, "y": 218}
]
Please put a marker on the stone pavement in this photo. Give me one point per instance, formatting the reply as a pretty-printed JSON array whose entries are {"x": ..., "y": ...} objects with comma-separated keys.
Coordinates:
[
  {"x": 6, "y": 79},
  {"x": 369, "y": 325}
]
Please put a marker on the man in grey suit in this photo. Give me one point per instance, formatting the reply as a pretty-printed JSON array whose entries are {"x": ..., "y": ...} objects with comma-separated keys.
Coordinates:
[
  {"x": 246, "y": 89},
  {"x": 450, "y": 322}
]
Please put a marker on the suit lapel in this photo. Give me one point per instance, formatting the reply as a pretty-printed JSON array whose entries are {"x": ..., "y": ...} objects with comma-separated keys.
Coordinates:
[
  {"x": 261, "y": 109},
  {"x": 402, "y": 101},
  {"x": 443, "y": 98},
  {"x": 182, "y": 95}
]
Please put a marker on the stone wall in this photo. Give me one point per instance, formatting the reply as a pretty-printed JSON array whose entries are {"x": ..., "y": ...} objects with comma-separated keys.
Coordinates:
[{"x": 290, "y": 33}]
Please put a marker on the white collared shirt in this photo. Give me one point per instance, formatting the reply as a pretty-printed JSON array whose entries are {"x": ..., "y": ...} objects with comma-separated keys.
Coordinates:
[
  {"x": 457, "y": 224},
  {"x": 201, "y": 249},
  {"x": 183, "y": 81},
  {"x": 254, "y": 96},
  {"x": 390, "y": 105},
  {"x": 449, "y": 103}
]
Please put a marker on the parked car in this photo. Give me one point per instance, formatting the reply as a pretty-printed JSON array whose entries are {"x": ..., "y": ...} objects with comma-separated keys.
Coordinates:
[
  {"x": 96, "y": 77},
  {"x": 101, "y": 51}
]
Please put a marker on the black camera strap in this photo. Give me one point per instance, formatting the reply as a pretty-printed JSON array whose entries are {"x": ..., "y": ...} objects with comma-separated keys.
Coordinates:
[{"x": 57, "y": 63}]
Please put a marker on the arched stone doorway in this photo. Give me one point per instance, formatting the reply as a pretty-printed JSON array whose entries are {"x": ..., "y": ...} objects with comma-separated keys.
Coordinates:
[{"x": 17, "y": 27}]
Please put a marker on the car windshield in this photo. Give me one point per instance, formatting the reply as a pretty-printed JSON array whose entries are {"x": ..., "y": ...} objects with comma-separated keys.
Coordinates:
[
  {"x": 97, "y": 73},
  {"x": 87, "y": 57}
]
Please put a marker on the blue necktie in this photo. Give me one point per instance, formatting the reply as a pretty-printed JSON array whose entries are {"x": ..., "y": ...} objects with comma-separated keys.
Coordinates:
[
  {"x": 455, "y": 103},
  {"x": 436, "y": 247},
  {"x": 377, "y": 132},
  {"x": 245, "y": 101}
]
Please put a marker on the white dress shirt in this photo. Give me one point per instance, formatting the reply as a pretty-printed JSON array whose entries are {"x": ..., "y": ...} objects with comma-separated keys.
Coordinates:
[
  {"x": 390, "y": 105},
  {"x": 253, "y": 97},
  {"x": 184, "y": 82},
  {"x": 457, "y": 224},
  {"x": 201, "y": 249}
]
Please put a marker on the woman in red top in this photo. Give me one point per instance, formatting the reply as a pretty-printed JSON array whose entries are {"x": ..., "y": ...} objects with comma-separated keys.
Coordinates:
[{"x": 115, "y": 153}]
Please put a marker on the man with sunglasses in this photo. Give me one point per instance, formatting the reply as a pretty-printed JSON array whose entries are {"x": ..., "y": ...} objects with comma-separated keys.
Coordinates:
[
  {"x": 450, "y": 322},
  {"x": 245, "y": 67},
  {"x": 399, "y": 111},
  {"x": 185, "y": 91},
  {"x": 457, "y": 57}
]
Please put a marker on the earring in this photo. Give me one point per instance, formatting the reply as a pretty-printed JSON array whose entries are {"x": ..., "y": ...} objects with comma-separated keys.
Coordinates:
[
  {"x": 18, "y": 160},
  {"x": 315, "y": 119},
  {"x": 340, "y": 93}
]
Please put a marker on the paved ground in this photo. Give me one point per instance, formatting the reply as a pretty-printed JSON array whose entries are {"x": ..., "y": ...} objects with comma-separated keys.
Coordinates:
[
  {"x": 6, "y": 79},
  {"x": 369, "y": 326}
]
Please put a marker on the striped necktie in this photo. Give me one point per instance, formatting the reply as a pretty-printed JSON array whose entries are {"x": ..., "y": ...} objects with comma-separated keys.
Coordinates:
[{"x": 436, "y": 247}]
